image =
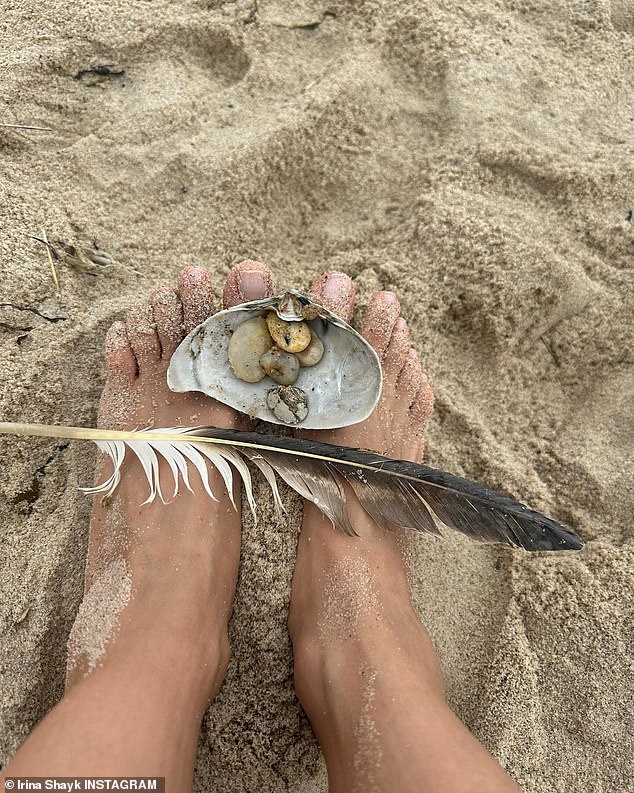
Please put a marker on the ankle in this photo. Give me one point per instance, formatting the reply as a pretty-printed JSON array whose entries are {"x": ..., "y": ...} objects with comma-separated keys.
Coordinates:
[
  {"x": 170, "y": 652},
  {"x": 399, "y": 647},
  {"x": 350, "y": 591},
  {"x": 344, "y": 687}
]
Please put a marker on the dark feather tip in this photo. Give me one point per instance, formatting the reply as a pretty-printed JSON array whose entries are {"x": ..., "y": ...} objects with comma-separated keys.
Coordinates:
[{"x": 409, "y": 495}]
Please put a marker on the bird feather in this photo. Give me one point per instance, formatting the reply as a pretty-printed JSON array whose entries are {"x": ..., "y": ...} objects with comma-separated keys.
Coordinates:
[{"x": 395, "y": 493}]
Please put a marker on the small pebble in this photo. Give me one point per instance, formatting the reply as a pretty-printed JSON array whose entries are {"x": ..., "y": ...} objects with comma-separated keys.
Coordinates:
[
  {"x": 288, "y": 403},
  {"x": 247, "y": 345},
  {"x": 313, "y": 353},
  {"x": 289, "y": 336},
  {"x": 283, "y": 367}
]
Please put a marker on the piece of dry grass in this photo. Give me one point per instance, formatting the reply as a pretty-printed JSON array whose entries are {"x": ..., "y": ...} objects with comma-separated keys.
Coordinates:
[
  {"x": 52, "y": 263},
  {"x": 26, "y": 126},
  {"x": 82, "y": 256}
]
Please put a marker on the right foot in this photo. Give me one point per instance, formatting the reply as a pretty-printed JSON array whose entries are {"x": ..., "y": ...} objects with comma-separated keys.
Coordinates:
[
  {"x": 395, "y": 429},
  {"x": 351, "y": 619}
]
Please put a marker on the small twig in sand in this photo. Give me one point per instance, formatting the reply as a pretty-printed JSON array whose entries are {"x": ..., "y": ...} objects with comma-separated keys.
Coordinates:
[
  {"x": 32, "y": 310},
  {"x": 52, "y": 263},
  {"x": 6, "y": 326},
  {"x": 91, "y": 260},
  {"x": 305, "y": 25},
  {"x": 550, "y": 349},
  {"x": 97, "y": 74},
  {"x": 26, "y": 126}
]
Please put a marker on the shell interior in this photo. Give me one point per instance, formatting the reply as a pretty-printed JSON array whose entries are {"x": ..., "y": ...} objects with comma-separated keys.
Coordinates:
[{"x": 342, "y": 389}]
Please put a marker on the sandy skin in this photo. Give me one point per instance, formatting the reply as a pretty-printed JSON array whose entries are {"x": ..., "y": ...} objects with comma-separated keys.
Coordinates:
[{"x": 365, "y": 669}]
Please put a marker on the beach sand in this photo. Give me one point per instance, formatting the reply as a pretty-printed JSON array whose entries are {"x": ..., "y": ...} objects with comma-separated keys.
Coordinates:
[{"x": 478, "y": 160}]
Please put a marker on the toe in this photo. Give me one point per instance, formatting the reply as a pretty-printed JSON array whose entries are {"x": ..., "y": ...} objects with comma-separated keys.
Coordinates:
[
  {"x": 141, "y": 331},
  {"x": 120, "y": 358},
  {"x": 423, "y": 403},
  {"x": 197, "y": 296},
  {"x": 409, "y": 379},
  {"x": 397, "y": 350},
  {"x": 248, "y": 281},
  {"x": 379, "y": 321},
  {"x": 336, "y": 292},
  {"x": 168, "y": 316}
]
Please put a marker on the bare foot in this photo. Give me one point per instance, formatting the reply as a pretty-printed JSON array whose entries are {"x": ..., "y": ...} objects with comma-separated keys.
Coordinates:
[
  {"x": 171, "y": 568},
  {"x": 395, "y": 428},
  {"x": 366, "y": 671},
  {"x": 149, "y": 647}
]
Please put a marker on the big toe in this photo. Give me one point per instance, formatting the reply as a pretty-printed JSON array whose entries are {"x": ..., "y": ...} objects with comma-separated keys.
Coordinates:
[
  {"x": 379, "y": 321},
  {"x": 197, "y": 296},
  {"x": 249, "y": 280},
  {"x": 335, "y": 291}
]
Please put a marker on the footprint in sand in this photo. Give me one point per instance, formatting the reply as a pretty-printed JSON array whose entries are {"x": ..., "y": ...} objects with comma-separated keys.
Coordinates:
[{"x": 165, "y": 87}]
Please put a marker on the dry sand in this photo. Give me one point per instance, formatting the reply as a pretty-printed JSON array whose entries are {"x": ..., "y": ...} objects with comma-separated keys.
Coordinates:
[{"x": 476, "y": 158}]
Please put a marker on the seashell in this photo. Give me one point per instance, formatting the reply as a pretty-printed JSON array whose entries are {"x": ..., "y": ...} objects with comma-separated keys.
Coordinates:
[
  {"x": 248, "y": 343},
  {"x": 288, "y": 403},
  {"x": 343, "y": 387},
  {"x": 289, "y": 336},
  {"x": 313, "y": 353},
  {"x": 283, "y": 367}
]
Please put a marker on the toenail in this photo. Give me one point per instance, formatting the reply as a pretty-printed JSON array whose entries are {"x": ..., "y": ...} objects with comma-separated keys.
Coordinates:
[
  {"x": 253, "y": 284},
  {"x": 117, "y": 337},
  {"x": 400, "y": 324},
  {"x": 335, "y": 285},
  {"x": 389, "y": 297},
  {"x": 193, "y": 274}
]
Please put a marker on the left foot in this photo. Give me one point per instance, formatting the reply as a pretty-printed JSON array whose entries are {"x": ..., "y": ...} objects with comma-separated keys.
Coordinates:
[{"x": 163, "y": 574}]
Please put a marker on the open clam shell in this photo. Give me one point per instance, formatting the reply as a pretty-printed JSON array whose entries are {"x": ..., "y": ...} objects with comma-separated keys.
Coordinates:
[{"x": 342, "y": 389}]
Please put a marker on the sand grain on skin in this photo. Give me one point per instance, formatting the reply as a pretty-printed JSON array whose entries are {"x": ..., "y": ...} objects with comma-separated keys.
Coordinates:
[
  {"x": 367, "y": 751},
  {"x": 349, "y": 597},
  {"x": 98, "y": 616}
]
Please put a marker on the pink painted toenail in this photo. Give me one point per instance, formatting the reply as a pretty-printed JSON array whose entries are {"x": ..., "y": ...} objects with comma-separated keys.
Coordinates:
[
  {"x": 253, "y": 284},
  {"x": 400, "y": 324},
  {"x": 335, "y": 285},
  {"x": 389, "y": 297}
]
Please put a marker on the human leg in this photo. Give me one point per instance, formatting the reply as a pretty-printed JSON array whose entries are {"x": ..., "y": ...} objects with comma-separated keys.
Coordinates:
[
  {"x": 366, "y": 671},
  {"x": 150, "y": 647}
]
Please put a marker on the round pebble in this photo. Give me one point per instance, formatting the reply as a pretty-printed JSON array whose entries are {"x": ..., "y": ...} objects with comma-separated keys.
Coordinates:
[
  {"x": 283, "y": 367},
  {"x": 289, "y": 336},
  {"x": 313, "y": 353},
  {"x": 247, "y": 345}
]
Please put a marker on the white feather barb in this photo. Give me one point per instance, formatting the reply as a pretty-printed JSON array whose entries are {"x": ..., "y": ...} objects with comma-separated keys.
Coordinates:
[{"x": 395, "y": 493}]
